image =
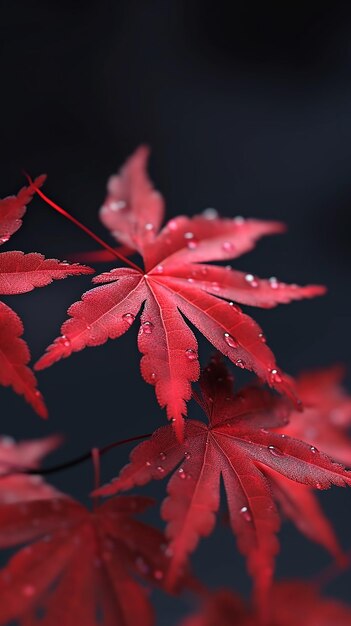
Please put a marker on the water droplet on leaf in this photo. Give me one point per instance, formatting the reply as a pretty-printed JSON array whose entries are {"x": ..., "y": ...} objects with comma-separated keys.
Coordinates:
[
  {"x": 210, "y": 214},
  {"x": 228, "y": 246},
  {"x": 240, "y": 363},
  {"x": 275, "y": 376},
  {"x": 275, "y": 451},
  {"x": 230, "y": 341},
  {"x": 129, "y": 318},
  {"x": 191, "y": 354},
  {"x": 244, "y": 511},
  {"x": 181, "y": 473},
  {"x": 147, "y": 328}
]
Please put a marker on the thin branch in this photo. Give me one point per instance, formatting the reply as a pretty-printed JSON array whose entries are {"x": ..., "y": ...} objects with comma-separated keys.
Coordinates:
[
  {"x": 84, "y": 228},
  {"x": 44, "y": 471}
]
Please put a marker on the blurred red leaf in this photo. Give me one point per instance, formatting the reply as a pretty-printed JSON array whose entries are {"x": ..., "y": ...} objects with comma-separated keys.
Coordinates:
[
  {"x": 292, "y": 603},
  {"x": 15, "y": 459},
  {"x": 20, "y": 273},
  {"x": 80, "y": 567}
]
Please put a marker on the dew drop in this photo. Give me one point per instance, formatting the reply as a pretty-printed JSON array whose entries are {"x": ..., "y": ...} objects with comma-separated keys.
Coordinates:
[
  {"x": 160, "y": 469},
  {"x": 181, "y": 473},
  {"x": 235, "y": 307},
  {"x": 188, "y": 235},
  {"x": 215, "y": 287},
  {"x": 240, "y": 363},
  {"x": 314, "y": 449},
  {"x": 7, "y": 442},
  {"x": 117, "y": 206},
  {"x": 190, "y": 280},
  {"x": 168, "y": 552},
  {"x": 142, "y": 565},
  {"x": 162, "y": 456},
  {"x": 191, "y": 355},
  {"x": 187, "y": 455},
  {"x": 262, "y": 337},
  {"x": 319, "y": 486},
  {"x": 210, "y": 214},
  {"x": 4, "y": 239},
  {"x": 227, "y": 246},
  {"x": 28, "y": 591},
  {"x": 147, "y": 328},
  {"x": 251, "y": 280},
  {"x": 153, "y": 375},
  {"x": 172, "y": 225},
  {"x": 129, "y": 318},
  {"x": 273, "y": 282},
  {"x": 275, "y": 376},
  {"x": 65, "y": 341},
  {"x": 275, "y": 451},
  {"x": 159, "y": 269},
  {"x": 149, "y": 226},
  {"x": 192, "y": 244},
  {"x": 148, "y": 463},
  {"x": 230, "y": 341},
  {"x": 244, "y": 511}
]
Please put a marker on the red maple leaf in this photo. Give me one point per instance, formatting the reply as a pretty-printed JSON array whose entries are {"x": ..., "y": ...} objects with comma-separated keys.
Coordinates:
[
  {"x": 177, "y": 281},
  {"x": 80, "y": 568},
  {"x": 324, "y": 424},
  {"x": 327, "y": 413},
  {"x": 20, "y": 273},
  {"x": 15, "y": 460},
  {"x": 293, "y": 602},
  {"x": 240, "y": 445}
]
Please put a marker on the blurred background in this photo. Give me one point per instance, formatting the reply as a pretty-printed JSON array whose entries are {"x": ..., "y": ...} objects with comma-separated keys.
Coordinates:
[{"x": 247, "y": 109}]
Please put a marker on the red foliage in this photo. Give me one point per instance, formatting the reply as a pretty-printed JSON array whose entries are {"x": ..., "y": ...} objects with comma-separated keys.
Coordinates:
[
  {"x": 241, "y": 445},
  {"x": 327, "y": 416},
  {"x": 15, "y": 485},
  {"x": 20, "y": 273},
  {"x": 324, "y": 424},
  {"x": 293, "y": 603},
  {"x": 176, "y": 281},
  {"x": 80, "y": 567}
]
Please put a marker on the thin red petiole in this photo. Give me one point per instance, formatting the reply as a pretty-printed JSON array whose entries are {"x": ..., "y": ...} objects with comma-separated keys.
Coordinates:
[
  {"x": 18, "y": 469},
  {"x": 95, "y": 456},
  {"x": 87, "y": 230}
]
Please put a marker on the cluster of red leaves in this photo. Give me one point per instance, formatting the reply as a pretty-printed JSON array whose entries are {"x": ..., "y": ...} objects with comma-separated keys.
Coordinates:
[
  {"x": 95, "y": 567},
  {"x": 259, "y": 468},
  {"x": 86, "y": 567},
  {"x": 176, "y": 281},
  {"x": 20, "y": 273},
  {"x": 79, "y": 567},
  {"x": 293, "y": 603}
]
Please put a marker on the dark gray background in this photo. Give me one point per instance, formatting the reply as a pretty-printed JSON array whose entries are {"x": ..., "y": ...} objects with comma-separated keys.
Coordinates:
[{"x": 247, "y": 111}]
